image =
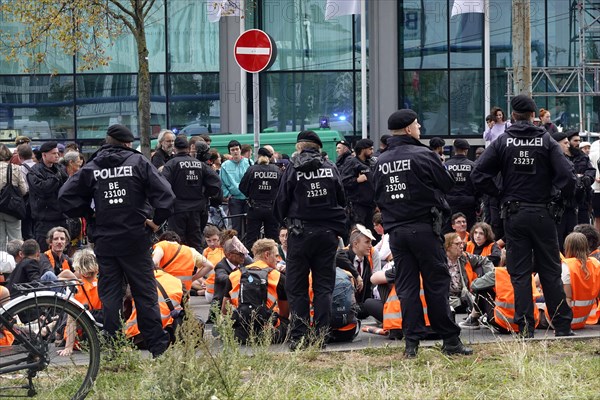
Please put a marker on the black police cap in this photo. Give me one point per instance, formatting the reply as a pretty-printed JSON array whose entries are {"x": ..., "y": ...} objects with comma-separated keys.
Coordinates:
[
  {"x": 181, "y": 142},
  {"x": 343, "y": 142},
  {"x": 48, "y": 146},
  {"x": 120, "y": 133},
  {"x": 572, "y": 132},
  {"x": 401, "y": 119},
  {"x": 461, "y": 144},
  {"x": 558, "y": 136},
  {"x": 523, "y": 103},
  {"x": 309, "y": 136},
  {"x": 363, "y": 144},
  {"x": 264, "y": 152},
  {"x": 436, "y": 142}
]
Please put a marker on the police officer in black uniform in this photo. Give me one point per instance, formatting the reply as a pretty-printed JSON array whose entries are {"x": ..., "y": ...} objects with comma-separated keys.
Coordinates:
[
  {"x": 357, "y": 177},
  {"x": 193, "y": 183},
  {"x": 461, "y": 197},
  {"x": 410, "y": 182},
  {"x": 311, "y": 201},
  {"x": 532, "y": 166},
  {"x": 119, "y": 182},
  {"x": 260, "y": 184}
]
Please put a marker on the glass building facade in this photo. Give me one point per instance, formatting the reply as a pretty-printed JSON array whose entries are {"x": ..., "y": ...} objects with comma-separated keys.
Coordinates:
[{"x": 317, "y": 72}]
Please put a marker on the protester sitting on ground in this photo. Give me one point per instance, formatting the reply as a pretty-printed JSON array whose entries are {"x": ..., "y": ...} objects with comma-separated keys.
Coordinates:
[
  {"x": 383, "y": 246},
  {"x": 360, "y": 254},
  {"x": 7, "y": 265},
  {"x": 463, "y": 268},
  {"x": 29, "y": 268},
  {"x": 85, "y": 268},
  {"x": 282, "y": 248},
  {"x": 385, "y": 281},
  {"x": 581, "y": 279},
  {"x": 593, "y": 238},
  {"x": 251, "y": 313},
  {"x": 482, "y": 243},
  {"x": 235, "y": 258},
  {"x": 170, "y": 295},
  {"x": 6, "y": 337},
  {"x": 55, "y": 258},
  {"x": 214, "y": 253},
  {"x": 459, "y": 225},
  {"x": 179, "y": 260}
]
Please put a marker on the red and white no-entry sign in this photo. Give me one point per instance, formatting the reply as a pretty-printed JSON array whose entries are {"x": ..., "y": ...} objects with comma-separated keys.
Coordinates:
[{"x": 255, "y": 51}]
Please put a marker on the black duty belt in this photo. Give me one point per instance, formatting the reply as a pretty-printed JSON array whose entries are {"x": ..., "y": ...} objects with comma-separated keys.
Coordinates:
[{"x": 533, "y": 205}]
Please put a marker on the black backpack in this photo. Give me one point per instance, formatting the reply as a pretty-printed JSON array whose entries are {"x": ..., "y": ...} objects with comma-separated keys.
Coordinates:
[
  {"x": 252, "y": 313},
  {"x": 343, "y": 301}
]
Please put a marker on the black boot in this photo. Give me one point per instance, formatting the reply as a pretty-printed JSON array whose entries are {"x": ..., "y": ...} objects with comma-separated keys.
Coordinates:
[
  {"x": 454, "y": 346},
  {"x": 411, "y": 349}
]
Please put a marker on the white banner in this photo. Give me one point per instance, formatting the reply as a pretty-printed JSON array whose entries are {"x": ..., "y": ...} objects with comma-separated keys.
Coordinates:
[
  {"x": 466, "y": 7},
  {"x": 215, "y": 9},
  {"x": 337, "y": 8}
]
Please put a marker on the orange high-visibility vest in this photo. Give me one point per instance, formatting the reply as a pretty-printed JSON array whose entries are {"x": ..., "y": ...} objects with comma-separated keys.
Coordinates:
[
  {"x": 504, "y": 311},
  {"x": 6, "y": 337},
  {"x": 182, "y": 266},
  {"x": 214, "y": 256},
  {"x": 273, "y": 281},
  {"x": 486, "y": 251},
  {"x": 311, "y": 296},
  {"x": 584, "y": 291},
  {"x": 65, "y": 263},
  {"x": 92, "y": 300},
  {"x": 174, "y": 291},
  {"x": 392, "y": 310}
]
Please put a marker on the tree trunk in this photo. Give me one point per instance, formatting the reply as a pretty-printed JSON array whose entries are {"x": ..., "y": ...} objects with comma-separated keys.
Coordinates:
[{"x": 143, "y": 86}]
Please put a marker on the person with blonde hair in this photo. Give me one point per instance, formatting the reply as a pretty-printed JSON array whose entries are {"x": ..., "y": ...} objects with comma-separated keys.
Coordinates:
[{"x": 581, "y": 278}]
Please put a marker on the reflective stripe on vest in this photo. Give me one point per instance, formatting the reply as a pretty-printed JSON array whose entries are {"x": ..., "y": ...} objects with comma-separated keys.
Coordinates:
[{"x": 504, "y": 305}]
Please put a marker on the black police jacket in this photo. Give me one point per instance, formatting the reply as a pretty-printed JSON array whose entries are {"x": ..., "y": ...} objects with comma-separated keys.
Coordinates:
[
  {"x": 260, "y": 183},
  {"x": 120, "y": 182},
  {"x": 410, "y": 180},
  {"x": 463, "y": 192},
  {"x": 583, "y": 166},
  {"x": 532, "y": 165},
  {"x": 358, "y": 193},
  {"x": 311, "y": 190},
  {"x": 44, "y": 184},
  {"x": 192, "y": 181}
]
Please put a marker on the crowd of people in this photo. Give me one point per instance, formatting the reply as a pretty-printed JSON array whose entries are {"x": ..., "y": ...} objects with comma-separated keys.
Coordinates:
[{"x": 306, "y": 247}]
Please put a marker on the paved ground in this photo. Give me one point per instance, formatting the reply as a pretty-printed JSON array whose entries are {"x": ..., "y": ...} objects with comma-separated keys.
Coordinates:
[{"x": 366, "y": 340}]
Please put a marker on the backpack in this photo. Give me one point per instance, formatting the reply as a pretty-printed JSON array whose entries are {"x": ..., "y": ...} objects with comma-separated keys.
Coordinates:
[
  {"x": 343, "y": 302},
  {"x": 252, "y": 314}
]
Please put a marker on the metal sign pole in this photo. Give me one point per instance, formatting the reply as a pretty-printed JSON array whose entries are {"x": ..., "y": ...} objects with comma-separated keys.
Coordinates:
[{"x": 256, "y": 112}]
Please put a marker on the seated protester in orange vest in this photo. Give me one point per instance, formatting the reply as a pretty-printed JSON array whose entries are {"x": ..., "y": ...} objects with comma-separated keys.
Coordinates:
[
  {"x": 360, "y": 255},
  {"x": 170, "y": 294},
  {"x": 502, "y": 315},
  {"x": 214, "y": 253},
  {"x": 56, "y": 258},
  {"x": 235, "y": 258},
  {"x": 463, "y": 268},
  {"x": 179, "y": 260},
  {"x": 482, "y": 243},
  {"x": 6, "y": 337},
  {"x": 29, "y": 268},
  {"x": 581, "y": 279},
  {"x": 459, "y": 225},
  {"x": 383, "y": 246},
  {"x": 86, "y": 270},
  {"x": 257, "y": 295}
]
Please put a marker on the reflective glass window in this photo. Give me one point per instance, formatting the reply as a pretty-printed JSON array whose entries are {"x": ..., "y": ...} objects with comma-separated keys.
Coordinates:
[
  {"x": 500, "y": 16},
  {"x": 194, "y": 106},
  {"x": 466, "y": 36},
  {"x": 426, "y": 92},
  {"x": 40, "y": 107},
  {"x": 467, "y": 116},
  {"x": 193, "y": 41},
  {"x": 424, "y": 34},
  {"x": 297, "y": 101},
  {"x": 562, "y": 42}
]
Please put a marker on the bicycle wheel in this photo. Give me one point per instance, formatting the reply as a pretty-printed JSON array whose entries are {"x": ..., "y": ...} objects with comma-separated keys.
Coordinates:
[{"x": 41, "y": 320}]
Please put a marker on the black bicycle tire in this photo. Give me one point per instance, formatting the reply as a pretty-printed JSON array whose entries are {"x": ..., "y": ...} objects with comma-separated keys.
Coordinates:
[{"x": 83, "y": 321}]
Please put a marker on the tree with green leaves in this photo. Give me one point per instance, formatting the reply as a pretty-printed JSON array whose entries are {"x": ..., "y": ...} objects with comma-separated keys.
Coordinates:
[{"x": 81, "y": 28}]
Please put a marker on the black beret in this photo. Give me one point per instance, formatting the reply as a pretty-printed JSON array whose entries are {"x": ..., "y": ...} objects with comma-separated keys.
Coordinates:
[
  {"x": 436, "y": 142},
  {"x": 523, "y": 103},
  {"x": 363, "y": 144},
  {"x": 120, "y": 133},
  {"x": 264, "y": 152},
  {"x": 384, "y": 138},
  {"x": 558, "y": 136},
  {"x": 401, "y": 119},
  {"x": 48, "y": 146},
  {"x": 344, "y": 143},
  {"x": 309, "y": 136},
  {"x": 181, "y": 142},
  {"x": 461, "y": 144}
]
